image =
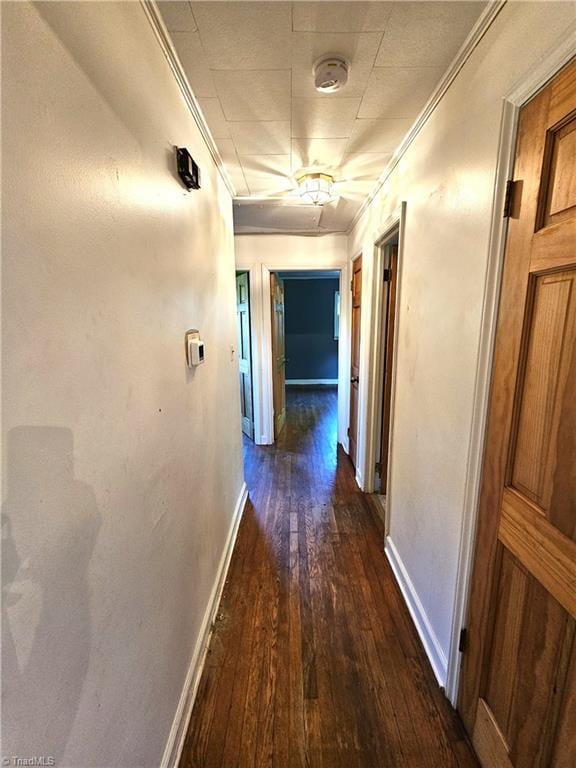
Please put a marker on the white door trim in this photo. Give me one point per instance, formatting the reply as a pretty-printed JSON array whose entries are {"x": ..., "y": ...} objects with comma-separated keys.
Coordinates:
[{"x": 526, "y": 88}]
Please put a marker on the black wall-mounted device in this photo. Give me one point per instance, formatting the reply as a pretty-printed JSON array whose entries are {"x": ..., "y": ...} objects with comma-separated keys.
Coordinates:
[{"x": 187, "y": 169}]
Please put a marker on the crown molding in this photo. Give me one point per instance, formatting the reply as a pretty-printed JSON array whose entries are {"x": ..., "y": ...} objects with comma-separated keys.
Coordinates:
[
  {"x": 298, "y": 232},
  {"x": 478, "y": 31},
  {"x": 152, "y": 12}
]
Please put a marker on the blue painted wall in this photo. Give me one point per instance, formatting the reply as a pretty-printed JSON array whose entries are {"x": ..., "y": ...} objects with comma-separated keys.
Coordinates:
[{"x": 311, "y": 349}]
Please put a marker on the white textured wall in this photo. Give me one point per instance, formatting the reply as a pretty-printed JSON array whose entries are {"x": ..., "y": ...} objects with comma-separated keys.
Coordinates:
[
  {"x": 291, "y": 251},
  {"x": 121, "y": 467},
  {"x": 447, "y": 178}
]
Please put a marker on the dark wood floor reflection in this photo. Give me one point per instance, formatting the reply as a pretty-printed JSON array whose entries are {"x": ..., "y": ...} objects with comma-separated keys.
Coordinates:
[{"x": 314, "y": 660}]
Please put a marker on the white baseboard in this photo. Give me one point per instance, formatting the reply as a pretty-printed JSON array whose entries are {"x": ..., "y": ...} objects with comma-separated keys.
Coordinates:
[
  {"x": 311, "y": 381},
  {"x": 177, "y": 734},
  {"x": 428, "y": 637}
]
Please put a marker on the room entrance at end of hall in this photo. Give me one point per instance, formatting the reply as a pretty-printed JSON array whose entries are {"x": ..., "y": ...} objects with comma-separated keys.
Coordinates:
[
  {"x": 305, "y": 318},
  {"x": 245, "y": 352}
]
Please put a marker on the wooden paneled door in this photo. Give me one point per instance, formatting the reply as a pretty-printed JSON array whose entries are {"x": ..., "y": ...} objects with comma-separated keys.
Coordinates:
[
  {"x": 278, "y": 352},
  {"x": 356, "y": 286},
  {"x": 518, "y": 690},
  {"x": 244, "y": 353},
  {"x": 391, "y": 281}
]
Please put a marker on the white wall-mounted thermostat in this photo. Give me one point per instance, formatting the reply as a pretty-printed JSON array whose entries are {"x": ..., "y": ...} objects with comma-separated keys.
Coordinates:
[{"x": 194, "y": 349}]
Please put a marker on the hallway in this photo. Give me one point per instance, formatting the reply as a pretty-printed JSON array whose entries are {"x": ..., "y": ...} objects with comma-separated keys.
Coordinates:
[
  {"x": 176, "y": 174},
  {"x": 314, "y": 660}
]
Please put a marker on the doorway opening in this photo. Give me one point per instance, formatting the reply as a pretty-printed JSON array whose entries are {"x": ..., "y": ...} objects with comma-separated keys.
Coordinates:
[
  {"x": 387, "y": 325},
  {"x": 243, "y": 326},
  {"x": 305, "y": 320}
]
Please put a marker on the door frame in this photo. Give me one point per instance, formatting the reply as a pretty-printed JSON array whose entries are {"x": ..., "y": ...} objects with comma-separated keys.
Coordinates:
[
  {"x": 261, "y": 330},
  {"x": 247, "y": 273},
  {"x": 381, "y": 316},
  {"x": 396, "y": 222},
  {"x": 532, "y": 81},
  {"x": 359, "y": 421}
]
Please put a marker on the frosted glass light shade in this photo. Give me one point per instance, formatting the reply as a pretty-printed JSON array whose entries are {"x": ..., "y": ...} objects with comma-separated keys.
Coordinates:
[{"x": 315, "y": 188}]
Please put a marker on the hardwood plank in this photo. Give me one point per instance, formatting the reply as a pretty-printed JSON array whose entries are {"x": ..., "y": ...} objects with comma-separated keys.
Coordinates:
[
  {"x": 306, "y": 614},
  {"x": 281, "y": 722},
  {"x": 314, "y": 661},
  {"x": 296, "y": 751}
]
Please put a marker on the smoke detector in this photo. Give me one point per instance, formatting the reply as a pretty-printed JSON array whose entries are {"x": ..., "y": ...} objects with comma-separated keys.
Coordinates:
[{"x": 330, "y": 73}]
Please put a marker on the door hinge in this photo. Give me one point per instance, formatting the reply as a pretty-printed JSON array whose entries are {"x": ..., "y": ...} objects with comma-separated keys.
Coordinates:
[
  {"x": 463, "y": 641},
  {"x": 509, "y": 198},
  {"x": 348, "y": 431},
  {"x": 379, "y": 467},
  {"x": 387, "y": 275},
  {"x": 352, "y": 285}
]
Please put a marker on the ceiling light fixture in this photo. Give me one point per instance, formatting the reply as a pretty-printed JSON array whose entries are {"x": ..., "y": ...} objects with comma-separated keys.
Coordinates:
[
  {"x": 315, "y": 188},
  {"x": 330, "y": 73}
]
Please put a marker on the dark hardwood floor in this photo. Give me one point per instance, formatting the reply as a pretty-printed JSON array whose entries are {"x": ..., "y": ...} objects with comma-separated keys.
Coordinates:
[{"x": 314, "y": 660}]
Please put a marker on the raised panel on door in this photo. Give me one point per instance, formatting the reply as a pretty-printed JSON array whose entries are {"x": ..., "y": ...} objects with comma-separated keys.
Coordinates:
[
  {"x": 517, "y": 695},
  {"x": 558, "y": 197}
]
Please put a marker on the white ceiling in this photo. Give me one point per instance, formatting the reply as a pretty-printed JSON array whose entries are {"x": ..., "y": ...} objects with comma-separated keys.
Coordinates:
[{"x": 250, "y": 67}]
